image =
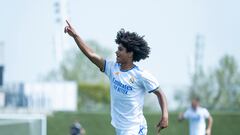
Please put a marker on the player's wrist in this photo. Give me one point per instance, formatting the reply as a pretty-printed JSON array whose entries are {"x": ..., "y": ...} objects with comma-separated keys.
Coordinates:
[
  {"x": 165, "y": 115},
  {"x": 75, "y": 35}
]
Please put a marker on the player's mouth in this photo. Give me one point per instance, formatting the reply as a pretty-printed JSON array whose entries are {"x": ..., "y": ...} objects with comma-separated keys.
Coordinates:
[{"x": 118, "y": 58}]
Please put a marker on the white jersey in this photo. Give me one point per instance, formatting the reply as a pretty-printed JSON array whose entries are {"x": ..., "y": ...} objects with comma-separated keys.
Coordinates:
[
  {"x": 197, "y": 120},
  {"x": 127, "y": 89}
]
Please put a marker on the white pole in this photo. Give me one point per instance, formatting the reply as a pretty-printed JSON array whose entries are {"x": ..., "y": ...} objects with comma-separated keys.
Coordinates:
[
  {"x": 44, "y": 125},
  {"x": 60, "y": 41},
  {"x": 1, "y": 62},
  {"x": 1, "y": 53}
]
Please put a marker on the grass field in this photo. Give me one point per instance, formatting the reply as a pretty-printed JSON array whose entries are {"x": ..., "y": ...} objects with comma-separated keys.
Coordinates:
[{"x": 99, "y": 124}]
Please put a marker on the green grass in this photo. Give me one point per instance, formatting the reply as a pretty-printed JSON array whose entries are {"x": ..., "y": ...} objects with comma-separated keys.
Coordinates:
[{"x": 99, "y": 124}]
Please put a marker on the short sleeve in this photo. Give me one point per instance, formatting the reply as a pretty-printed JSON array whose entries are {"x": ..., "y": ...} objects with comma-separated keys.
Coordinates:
[
  {"x": 206, "y": 113},
  {"x": 186, "y": 114},
  {"x": 149, "y": 82},
  {"x": 108, "y": 65}
]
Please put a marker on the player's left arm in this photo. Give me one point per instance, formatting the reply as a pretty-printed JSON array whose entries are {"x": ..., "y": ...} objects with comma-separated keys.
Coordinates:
[
  {"x": 83, "y": 132},
  {"x": 163, "y": 123},
  {"x": 180, "y": 117},
  {"x": 209, "y": 127}
]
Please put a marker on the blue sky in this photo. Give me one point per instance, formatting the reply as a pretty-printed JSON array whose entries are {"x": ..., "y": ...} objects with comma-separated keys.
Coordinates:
[{"x": 170, "y": 27}]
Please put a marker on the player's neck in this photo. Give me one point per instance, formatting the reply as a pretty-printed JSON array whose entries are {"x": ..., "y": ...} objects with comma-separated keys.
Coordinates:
[
  {"x": 195, "y": 108},
  {"x": 127, "y": 66}
]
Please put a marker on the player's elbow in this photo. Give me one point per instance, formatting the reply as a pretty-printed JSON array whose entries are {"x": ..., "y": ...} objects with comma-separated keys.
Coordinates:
[
  {"x": 211, "y": 118},
  {"x": 180, "y": 117}
]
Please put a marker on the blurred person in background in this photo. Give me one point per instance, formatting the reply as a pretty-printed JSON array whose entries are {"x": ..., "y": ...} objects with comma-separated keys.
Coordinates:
[
  {"x": 196, "y": 115},
  {"x": 77, "y": 129}
]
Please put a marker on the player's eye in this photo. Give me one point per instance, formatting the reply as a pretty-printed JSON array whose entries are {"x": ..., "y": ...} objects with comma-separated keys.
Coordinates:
[{"x": 120, "y": 48}]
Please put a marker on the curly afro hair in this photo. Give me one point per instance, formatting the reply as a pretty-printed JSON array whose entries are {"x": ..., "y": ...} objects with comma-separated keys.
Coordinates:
[{"x": 133, "y": 43}]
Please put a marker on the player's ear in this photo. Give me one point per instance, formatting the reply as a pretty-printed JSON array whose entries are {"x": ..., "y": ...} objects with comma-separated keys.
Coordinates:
[{"x": 130, "y": 54}]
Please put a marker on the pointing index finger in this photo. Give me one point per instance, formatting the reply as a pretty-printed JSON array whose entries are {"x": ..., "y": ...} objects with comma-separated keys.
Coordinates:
[{"x": 68, "y": 24}]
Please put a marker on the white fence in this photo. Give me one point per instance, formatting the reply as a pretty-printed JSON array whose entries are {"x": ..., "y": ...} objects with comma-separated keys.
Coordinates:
[{"x": 46, "y": 96}]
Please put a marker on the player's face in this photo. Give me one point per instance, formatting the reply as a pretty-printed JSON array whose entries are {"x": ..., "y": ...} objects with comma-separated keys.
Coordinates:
[
  {"x": 122, "y": 55},
  {"x": 195, "y": 104}
]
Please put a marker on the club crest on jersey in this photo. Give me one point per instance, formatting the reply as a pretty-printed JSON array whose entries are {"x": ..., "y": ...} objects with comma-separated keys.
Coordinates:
[{"x": 132, "y": 80}]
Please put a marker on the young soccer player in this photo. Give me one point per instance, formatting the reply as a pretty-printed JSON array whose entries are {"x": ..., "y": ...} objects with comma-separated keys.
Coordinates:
[
  {"x": 196, "y": 116},
  {"x": 128, "y": 82}
]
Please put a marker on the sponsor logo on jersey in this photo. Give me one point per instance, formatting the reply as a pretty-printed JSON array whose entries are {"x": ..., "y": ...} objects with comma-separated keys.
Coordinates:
[
  {"x": 120, "y": 87},
  {"x": 117, "y": 73}
]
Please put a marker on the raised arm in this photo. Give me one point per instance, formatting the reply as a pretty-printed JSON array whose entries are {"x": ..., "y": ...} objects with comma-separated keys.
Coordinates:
[
  {"x": 163, "y": 104},
  {"x": 92, "y": 56}
]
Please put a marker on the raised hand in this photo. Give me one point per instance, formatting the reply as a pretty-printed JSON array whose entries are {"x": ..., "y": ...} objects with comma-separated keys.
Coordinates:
[{"x": 70, "y": 30}]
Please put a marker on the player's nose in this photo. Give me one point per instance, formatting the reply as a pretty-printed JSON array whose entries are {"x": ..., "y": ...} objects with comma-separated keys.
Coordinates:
[{"x": 116, "y": 52}]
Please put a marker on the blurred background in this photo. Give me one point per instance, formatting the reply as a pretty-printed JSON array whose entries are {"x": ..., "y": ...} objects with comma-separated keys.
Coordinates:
[{"x": 195, "y": 50}]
